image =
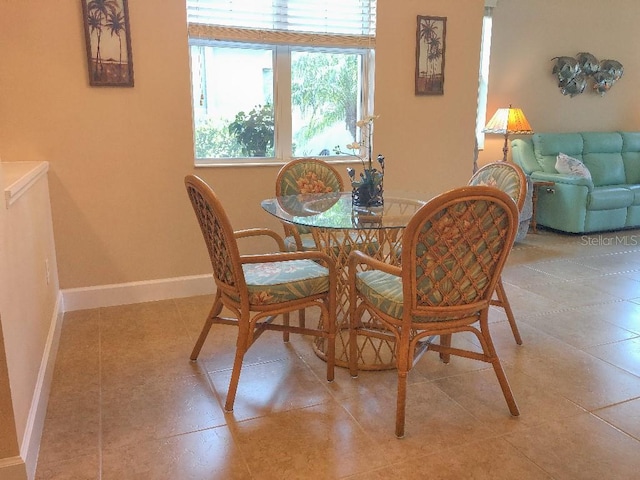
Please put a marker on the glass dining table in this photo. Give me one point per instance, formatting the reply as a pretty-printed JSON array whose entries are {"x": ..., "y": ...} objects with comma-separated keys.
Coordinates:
[{"x": 338, "y": 227}]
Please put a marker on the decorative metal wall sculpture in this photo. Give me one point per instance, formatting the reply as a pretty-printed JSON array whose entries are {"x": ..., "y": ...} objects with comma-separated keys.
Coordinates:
[{"x": 575, "y": 73}]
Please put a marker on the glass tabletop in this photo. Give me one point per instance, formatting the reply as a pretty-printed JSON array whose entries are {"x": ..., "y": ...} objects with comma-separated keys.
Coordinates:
[{"x": 335, "y": 210}]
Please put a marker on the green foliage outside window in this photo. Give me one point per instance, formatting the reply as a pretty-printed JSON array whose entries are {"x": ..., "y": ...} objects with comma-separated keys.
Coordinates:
[
  {"x": 324, "y": 89},
  {"x": 215, "y": 141},
  {"x": 254, "y": 131}
]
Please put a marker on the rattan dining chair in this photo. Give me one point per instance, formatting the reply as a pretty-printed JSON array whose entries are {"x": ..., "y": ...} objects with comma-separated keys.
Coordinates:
[
  {"x": 509, "y": 178},
  {"x": 453, "y": 251},
  {"x": 257, "y": 289},
  {"x": 312, "y": 175},
  {"x": 305, "y": 175}
]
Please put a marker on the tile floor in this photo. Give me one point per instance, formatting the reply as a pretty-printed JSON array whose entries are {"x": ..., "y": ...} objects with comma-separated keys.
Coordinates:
[{"x": 126, "y": 403}]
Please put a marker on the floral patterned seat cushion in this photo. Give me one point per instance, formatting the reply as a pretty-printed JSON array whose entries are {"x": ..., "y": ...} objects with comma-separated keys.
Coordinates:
[
  {"x": 385, "y": 292},
  {"x": 277, "y": 282},
  {"x": 308, "y": 243}
]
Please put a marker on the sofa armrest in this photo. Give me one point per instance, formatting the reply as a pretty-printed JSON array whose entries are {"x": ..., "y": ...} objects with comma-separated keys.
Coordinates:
[
  {"x": 522, "y": 155},
  {"x": 562, "y": 178}
]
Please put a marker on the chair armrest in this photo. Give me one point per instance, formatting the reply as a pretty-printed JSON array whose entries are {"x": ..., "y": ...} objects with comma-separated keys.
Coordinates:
[
  {"x": 255, "y": 232},
  {"x": 562, "y": 178},
  {"x": 356, "y": 257}
]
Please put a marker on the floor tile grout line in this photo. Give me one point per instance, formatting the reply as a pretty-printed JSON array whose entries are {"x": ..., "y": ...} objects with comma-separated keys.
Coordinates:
[
  {"x": 573, "y": 308},
  {"x": 100, "y": 398},
  {"x": 626, "y": 434}
]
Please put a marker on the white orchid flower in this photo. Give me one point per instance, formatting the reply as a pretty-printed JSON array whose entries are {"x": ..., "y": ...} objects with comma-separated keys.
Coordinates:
[{"x": 366, "y": 121}]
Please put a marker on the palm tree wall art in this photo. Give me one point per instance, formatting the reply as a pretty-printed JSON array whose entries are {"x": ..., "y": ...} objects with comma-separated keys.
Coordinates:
[
  {"x": 108, "y": 42},
  {"x": 430, "y": 46}
]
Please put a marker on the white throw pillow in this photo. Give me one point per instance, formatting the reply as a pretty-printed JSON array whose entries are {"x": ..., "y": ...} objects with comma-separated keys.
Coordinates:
[{"x": 571, "y": 166}]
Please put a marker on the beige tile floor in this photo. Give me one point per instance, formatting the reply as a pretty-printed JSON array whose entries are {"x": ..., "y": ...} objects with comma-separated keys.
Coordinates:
[{"x": 126, "y": 403}]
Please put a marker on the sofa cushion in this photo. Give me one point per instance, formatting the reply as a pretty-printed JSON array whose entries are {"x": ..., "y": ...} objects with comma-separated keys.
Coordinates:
[
  {"x": 547, "y": 146},
  {"x": 601, "y": 142},
  {"x": 571, "y": 166},
  {"x": 631, "y": 156},
  {"x": 602, "y": 155},
  {"x": 605, "y": 168},
  {"x": 630, "y": 141},
  {"x": 631, "y": 162},
  {"x": 609, "y": 197},
  {"x": 635, "y": 189}
]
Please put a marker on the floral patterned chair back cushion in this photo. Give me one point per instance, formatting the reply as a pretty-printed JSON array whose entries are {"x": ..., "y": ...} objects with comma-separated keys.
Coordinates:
[
  {"x": 457, "y": 248},
  {"x": 307, "y": 175}
]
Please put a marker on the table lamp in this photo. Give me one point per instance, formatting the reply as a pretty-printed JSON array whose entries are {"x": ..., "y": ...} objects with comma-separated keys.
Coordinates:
[{"x": 508, "y": 121}]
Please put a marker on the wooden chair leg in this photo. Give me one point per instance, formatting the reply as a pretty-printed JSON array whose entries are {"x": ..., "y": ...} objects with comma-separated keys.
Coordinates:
[
  {"x": 302, "y": 318},
  {"x": 286, "y": 323},
  {"x": 404, "y": 362},
  {"x": 506, "y": 389},
  {"x": 353, "y": 338},
  {"x": 445, "y": 341},
  {"x": 215, "y": 311},
  {"x": 242, "y": 345},
  {"x": 492, "y": 356},
  {"x": 504, "y": 302},
  {"x": 401, "y": 403},
  {"x": 331, "y": 347}
]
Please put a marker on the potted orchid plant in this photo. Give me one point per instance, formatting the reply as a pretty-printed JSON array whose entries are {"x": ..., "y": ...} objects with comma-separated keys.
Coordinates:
[{"x": 368, "y": 188}]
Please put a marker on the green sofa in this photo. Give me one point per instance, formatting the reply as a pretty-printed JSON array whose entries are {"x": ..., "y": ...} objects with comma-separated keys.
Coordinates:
[{"x": 610, "y": 200}]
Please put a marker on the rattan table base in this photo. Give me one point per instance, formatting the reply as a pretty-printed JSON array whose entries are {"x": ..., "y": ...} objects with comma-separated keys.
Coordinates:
[{"x": 375, "y": 350}]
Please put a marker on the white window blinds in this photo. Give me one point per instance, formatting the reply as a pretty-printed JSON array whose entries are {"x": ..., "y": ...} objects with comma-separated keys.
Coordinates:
[{"x": 347, "y": 23}]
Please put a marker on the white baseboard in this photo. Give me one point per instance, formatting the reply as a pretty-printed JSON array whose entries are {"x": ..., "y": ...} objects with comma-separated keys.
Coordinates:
[
  {"x": 13, "y": 469},
  {"x": 30, "y": 445},
  {"x": 24, "y": 466},
  {"x": 137, "y": 292}
]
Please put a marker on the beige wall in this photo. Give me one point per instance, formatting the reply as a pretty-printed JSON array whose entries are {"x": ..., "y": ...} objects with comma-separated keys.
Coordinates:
[
  {"x": 118, "y": 155},
  {"x": 428, "y": 141},
  {"x": 8, "y": 434},
  {"x": 529, "y": 33}
]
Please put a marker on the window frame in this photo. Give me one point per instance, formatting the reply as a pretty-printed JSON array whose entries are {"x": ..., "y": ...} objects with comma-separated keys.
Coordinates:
[
  {"x": 483, "y": 74},
  {"x": 282, "y": 43}
]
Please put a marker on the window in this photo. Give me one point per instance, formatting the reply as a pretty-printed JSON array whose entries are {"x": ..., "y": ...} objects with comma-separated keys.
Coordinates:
[
  {"x": 276, "y": 79},
  {"x": 483, "y": 82}
]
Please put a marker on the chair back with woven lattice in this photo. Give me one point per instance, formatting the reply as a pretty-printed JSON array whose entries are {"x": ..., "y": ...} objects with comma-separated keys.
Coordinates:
[
  {"x": 218, "y": 236},
  {"x": 453, "y": 251},
  {"x": 507, "y": 177},
  {"x": 307, "y": 175}
]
